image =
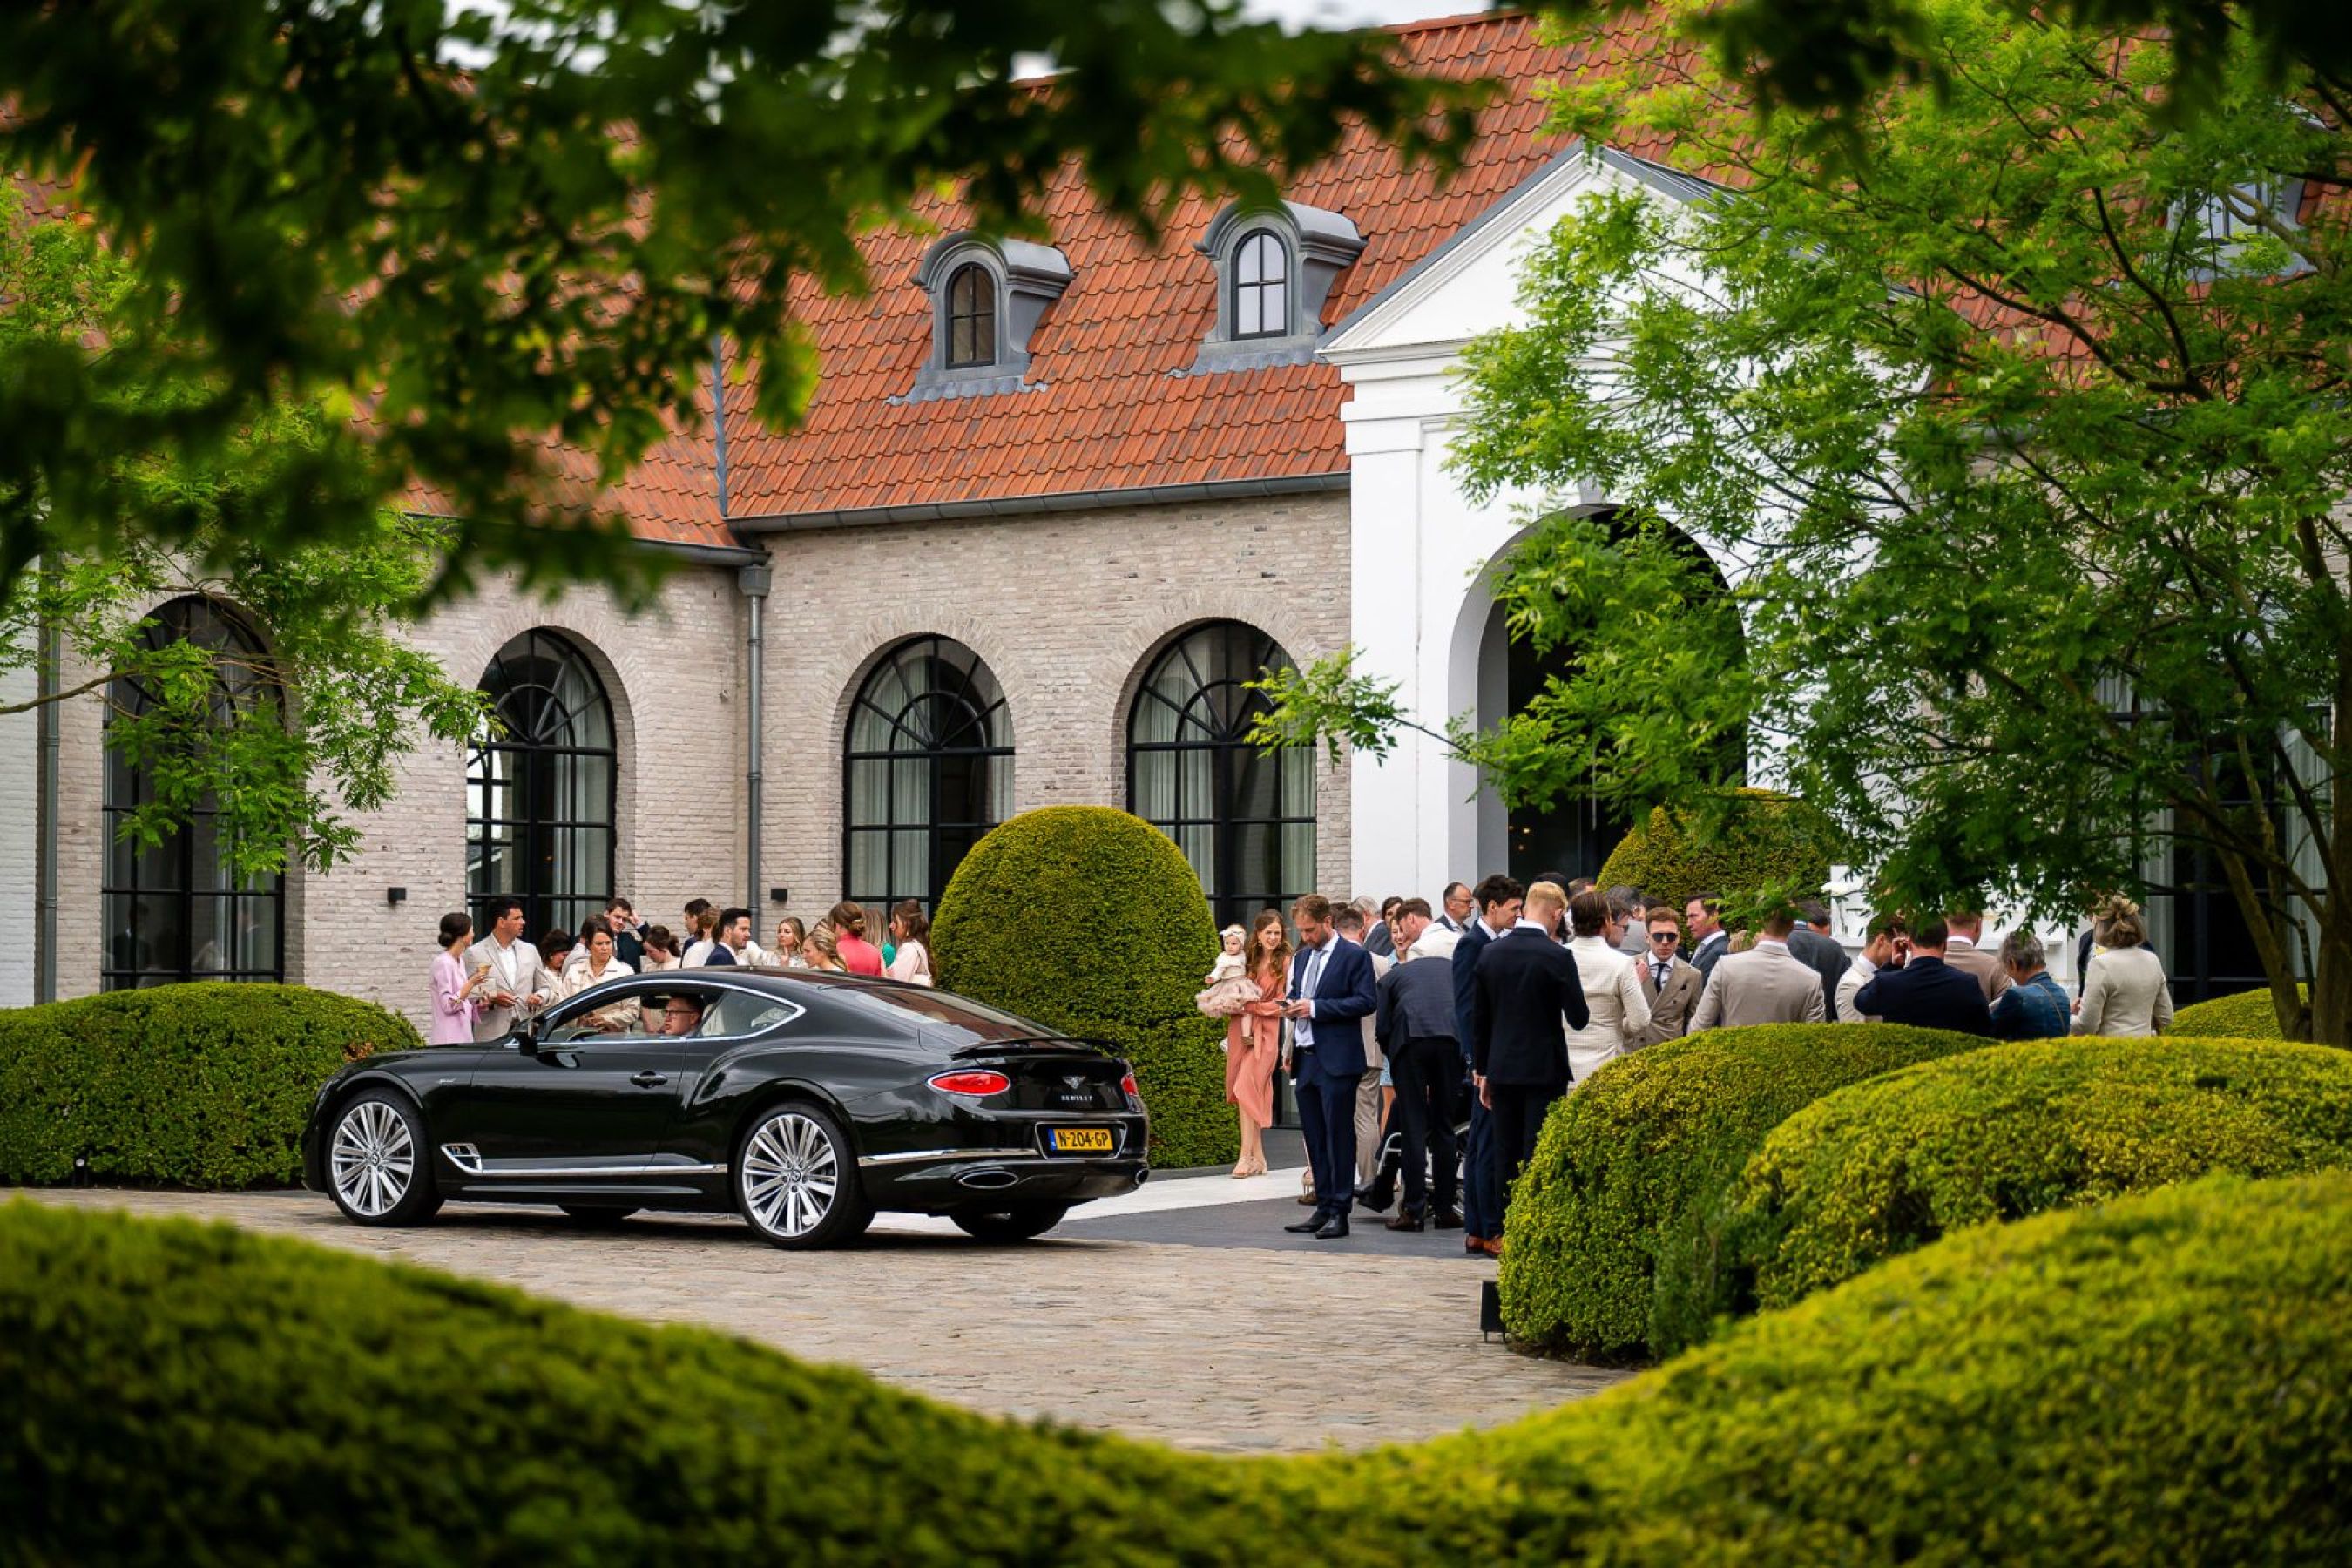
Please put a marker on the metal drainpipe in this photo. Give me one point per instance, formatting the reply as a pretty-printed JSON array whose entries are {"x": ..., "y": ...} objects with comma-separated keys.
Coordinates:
[
  {"x": 752, "y": 581},
  {"x": 49, "y": 744}
]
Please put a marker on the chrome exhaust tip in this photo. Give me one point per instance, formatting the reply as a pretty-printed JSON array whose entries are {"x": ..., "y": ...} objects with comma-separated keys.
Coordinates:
[{"x": 987, "y": 1181}]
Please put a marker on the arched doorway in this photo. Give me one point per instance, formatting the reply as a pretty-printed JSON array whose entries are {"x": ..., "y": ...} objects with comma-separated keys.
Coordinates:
[
  {"x": 1576, "y": 833},
  {"x": 174, "y": 910},
  {"x": 928, "y": 771},
  {"x": 539, "y": 792},
  {"x": 1244, "y": 818}
]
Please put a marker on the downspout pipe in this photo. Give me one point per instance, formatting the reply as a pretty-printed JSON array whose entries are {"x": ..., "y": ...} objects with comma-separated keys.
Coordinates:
[
  {"x": 752, "y": 582},
  {"x": 49, "y": 744}
]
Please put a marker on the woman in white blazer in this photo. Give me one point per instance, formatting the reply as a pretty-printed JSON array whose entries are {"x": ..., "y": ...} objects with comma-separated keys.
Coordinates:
[
  {"x": 2124, "y": 991},
  {"x": 1613, "y": 989}
]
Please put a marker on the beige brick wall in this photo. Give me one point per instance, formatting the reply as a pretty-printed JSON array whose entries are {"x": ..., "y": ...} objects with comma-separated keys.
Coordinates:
[
  {"x": 674, "y": 678},
  {"x": 1066, "y": 609}
]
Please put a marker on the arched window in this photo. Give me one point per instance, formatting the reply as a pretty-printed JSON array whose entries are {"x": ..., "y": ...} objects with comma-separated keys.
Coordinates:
[
  {"x": 1246, "y": 818},
  {"x": 539, "y": 795},
  {"x": 972, "y": 316},
  {"x": 1261, "y": 286},
  {"x": 929, "y": 771},
  {"x": 173, "y": 911}
]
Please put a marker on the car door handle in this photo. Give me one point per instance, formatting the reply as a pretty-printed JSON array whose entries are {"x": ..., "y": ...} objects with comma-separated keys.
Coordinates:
[{"x": 648, "y": 1079}]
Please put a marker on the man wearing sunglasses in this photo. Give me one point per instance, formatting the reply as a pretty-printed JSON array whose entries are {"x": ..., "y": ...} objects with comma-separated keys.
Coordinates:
[{"x": 1674, "y": 986}]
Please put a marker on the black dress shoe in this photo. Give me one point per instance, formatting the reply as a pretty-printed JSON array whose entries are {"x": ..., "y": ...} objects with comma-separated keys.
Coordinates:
[
  {"x": 1309, "y": 1225},
  {"x": 1376, "y": 1197},
  {"x": 1333, "y": 1228},
  {"x": 1446, "y": 1219},
  {"x": 1406, "y": 1220}
]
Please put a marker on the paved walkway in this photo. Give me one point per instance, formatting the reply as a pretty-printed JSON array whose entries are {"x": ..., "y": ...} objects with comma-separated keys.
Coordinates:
[{"x": 1118, "y": 1319}]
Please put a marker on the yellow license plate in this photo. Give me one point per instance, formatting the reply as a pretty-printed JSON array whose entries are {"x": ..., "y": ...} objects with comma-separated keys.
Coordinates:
[{"x": 1079, "y": 1140}]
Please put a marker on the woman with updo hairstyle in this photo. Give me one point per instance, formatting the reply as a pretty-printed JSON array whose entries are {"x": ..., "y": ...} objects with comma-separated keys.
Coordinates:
[
  {"x": 2124, "y": 990},
  {"x": 858, "y": 955},
  {"x": 661, "y": 949},
  {"x": 455, "y": 1005},
  {"x": 822, "y": 950},
  {"x": 910, "y": 932}
]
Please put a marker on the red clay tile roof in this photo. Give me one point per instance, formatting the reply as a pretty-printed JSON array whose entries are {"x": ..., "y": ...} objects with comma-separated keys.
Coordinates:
[{"x": 1103, "y": 411}]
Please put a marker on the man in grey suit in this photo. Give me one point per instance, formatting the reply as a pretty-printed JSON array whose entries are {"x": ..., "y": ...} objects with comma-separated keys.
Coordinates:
[
  {"x": 518, "y": 976},
  {"x": 1763, "y": 985},
  {"x": 1814, "y": 946},
  {"x": 1673, "y": 985}
]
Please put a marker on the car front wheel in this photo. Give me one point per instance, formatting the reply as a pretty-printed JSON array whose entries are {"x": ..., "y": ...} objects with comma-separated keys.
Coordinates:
[
  {"x": 1022, "y": 1222},
  {"x": 379, "y": 1164},
  {"x": 796, "y": 1179}
]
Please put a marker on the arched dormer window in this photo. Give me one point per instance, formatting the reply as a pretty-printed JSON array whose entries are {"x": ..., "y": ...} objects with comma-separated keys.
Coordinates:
[
  {"x": 987, "y": 296},
  {"x": 1260, "y": 302},
  {"x": 1276, "y": 266}
]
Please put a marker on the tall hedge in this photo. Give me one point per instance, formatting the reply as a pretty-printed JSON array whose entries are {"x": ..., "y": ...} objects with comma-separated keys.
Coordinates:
[
  {"x": 2243, "y": 1016},
  {"x": 1629, "y": 1164},
  {"x": 1092, "y": 922},
  {"x": 2166, "y": 1379},
  {"x": 205, "y": 1085},
  {"x": 1769, "y": 840},
  {"x": 1890, "y": 1165}
]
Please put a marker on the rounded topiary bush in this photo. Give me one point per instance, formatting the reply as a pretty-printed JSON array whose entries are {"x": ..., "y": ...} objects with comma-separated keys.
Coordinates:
[
  {"x": 1769, "y": 841},
  {"x": 1628, "y": 1163},
  {"x": 204, "y": 1085},
  {"x": 2164, "y": 1379},
  {"x": 2245, "y": 1016},
  {"x": 1889, "y": 1165},
  {"x": 1090, "y": 920}
]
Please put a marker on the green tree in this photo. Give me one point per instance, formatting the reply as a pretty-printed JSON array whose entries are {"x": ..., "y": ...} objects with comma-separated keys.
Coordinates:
[
  {"x": 317, "y": 205},
  {"x": 2025, "y": 444},
  {"x": 279, "y": 745}
]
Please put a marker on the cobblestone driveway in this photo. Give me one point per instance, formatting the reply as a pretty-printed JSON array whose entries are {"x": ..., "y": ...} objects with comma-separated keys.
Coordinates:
[{"x": 1229, "y": 1348}]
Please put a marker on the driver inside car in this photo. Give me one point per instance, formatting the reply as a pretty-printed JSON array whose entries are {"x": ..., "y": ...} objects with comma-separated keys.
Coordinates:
[{"x": 679, "y": 1014}]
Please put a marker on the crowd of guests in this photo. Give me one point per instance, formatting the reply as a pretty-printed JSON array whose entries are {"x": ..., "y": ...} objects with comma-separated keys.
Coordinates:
[
  {"x": 480, "y": 987},
  {"x": 1408, "y": 1021}
]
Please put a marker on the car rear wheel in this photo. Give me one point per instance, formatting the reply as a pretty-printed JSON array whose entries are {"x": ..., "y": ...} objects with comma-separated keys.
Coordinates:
[
  {"x": 1022, "y": 1222},
  {"x": 378, "y": 1167},
  {"x": 796, "y": 1179},
  {"x": 597, "y": 1217}
]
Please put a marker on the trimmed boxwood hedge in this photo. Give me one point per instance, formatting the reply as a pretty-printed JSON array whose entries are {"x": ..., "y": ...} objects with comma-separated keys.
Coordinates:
[
  {"x": 1770, "y": 841},
  {"x": 2161, "y": 1380},
  {"x": 2244, "y": 1016},
  {"x": 205, "y": 1085},
  {"x": 1889, "y": 1165},
  {"x": 1090, "y": 920},
  {"x": 1627, "y": 1165}
]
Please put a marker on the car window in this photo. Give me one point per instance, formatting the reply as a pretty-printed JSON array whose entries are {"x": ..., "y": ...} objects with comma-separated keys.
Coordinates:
[
  {"x": 578, "y": 1018},
  {"x": 736, "y": 1014}
]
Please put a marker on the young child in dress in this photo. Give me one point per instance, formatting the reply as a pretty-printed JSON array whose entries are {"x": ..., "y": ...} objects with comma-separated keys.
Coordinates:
[{"x": 1230, "y": 985}]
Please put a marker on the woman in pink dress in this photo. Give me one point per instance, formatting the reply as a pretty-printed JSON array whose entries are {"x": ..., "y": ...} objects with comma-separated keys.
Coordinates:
[
  {"x": 455, "y": 1005},
  {"x": 1254, "y": 1040}
]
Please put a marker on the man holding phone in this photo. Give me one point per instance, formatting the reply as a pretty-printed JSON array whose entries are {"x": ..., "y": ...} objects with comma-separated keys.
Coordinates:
[{"x": 1887, "y": 945}]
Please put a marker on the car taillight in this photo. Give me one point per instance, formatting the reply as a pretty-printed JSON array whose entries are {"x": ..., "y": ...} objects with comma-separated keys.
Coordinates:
[
  {"x": 1134, "y": 1095},
  {"x": 974, "y": 1081}
]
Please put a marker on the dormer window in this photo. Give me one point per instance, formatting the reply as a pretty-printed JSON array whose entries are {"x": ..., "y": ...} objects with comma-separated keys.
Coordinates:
[
  {"x": 2236, "y": 235},
  {"x": 1261, "y": 304},
  {"x": 972, "y": 316},
  {"x": 1275, "y": 268},
  {"x": 987, "y": 296}
]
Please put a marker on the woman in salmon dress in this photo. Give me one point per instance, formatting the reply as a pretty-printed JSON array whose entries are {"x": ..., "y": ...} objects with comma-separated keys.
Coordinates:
[{"x": 1254, "y": 1040}]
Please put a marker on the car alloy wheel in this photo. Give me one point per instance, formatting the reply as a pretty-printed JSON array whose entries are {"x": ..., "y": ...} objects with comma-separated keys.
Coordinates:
[
  {"x": 797, "y": 1182},
  {"x": 375, "y": 1162}
]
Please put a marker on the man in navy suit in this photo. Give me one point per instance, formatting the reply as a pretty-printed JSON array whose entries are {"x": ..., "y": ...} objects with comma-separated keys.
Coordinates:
[
  {"x": 1330, "y": 996},
  {"x": 1527, "y": 999},
  {"x": 1497, "y": 901},
  {"x": 1925, "y": 990}
]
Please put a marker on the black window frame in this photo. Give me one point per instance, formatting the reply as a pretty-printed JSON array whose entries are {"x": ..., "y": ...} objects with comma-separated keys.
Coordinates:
[
  {"x": 179, "y": 620},
  {"x": 1260, "y": 242},
  {"x": 541, "y": 901},
  {"x": 938, "y": 750},
  {"x": 973, "y": 308},
  {"x": 1220, "y": 708}
]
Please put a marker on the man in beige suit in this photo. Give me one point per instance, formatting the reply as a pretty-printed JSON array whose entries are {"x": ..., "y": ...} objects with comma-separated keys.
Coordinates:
[
  {"x": 1673, "y": 984},
  {"x": 1962, "y": 953},
  {"x": 1766, "y": 984}
]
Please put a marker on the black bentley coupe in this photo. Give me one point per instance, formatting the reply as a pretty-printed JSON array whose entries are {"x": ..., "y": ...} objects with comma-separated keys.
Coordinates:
[{"x": 804, "y": 1101}]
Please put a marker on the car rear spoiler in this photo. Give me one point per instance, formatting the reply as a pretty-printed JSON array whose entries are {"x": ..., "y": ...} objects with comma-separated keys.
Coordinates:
[{"x": 1059, "y": 1042}]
